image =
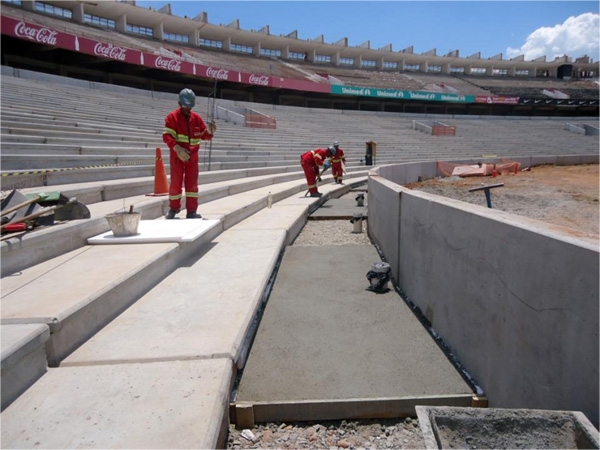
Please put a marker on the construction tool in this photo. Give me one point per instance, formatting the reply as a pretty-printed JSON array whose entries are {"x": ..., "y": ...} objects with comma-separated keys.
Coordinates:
[
  {"x": 34, "y": 215},
  {"x": 486, "y": 190},
  {"x": 31, "y": 198}
]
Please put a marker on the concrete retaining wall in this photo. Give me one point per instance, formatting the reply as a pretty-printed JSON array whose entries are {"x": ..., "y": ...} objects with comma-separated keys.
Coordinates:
[{"x": 516, "y": 301}]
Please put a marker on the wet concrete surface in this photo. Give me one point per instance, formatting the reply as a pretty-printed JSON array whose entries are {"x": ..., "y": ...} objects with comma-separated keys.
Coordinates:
[{"x": 325, "y": 336}]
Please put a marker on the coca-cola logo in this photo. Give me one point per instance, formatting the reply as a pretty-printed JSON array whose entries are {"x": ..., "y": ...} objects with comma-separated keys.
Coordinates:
[
  {"x": 168, "y": 63},
  {"x": 110, "y": 51},
  {"x": 42, "y": 35},
  {"x": 262, "y": 80},
  {"x": 219, "y": 74}
]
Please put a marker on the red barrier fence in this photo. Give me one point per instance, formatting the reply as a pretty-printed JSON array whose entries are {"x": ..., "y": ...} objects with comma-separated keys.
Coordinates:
[{"x": 443, "y": 130}]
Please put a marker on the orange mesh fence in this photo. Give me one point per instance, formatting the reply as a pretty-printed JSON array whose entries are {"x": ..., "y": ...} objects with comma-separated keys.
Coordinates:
[
  {"x": 477, "y": 170},
  {"x": 258, "y": 121}
]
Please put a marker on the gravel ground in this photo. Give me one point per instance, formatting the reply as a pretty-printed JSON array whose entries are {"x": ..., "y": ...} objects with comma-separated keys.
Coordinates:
[
  {"x": 565, "y": 196},
  {"x": 367, "y": 434}
]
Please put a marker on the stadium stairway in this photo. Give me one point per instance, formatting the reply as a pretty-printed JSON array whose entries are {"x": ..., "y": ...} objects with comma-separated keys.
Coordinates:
[{"x": 92, "y": 128}]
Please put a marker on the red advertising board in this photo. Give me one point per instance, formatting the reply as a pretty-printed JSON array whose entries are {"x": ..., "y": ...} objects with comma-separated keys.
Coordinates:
[
  {"x": 37, "y": 33},
  {"x": 44, "y": 35},
  {"x": 105, "y": 50}
]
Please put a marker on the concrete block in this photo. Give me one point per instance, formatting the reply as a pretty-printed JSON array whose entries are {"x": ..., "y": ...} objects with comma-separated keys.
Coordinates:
[
  {"x": 166, "y": 404},
  {"x": 451, "y": 427},
  {"x": 23, "y": 358},
  {"x": 76, "y": 311}
]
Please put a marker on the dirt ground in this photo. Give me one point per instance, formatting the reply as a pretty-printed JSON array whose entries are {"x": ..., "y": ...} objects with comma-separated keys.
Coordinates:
[{"x": 566, "y": 196}]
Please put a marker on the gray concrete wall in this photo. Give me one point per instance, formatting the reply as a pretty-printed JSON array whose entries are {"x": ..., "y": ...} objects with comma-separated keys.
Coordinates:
[{"x": 516, "y": 301}]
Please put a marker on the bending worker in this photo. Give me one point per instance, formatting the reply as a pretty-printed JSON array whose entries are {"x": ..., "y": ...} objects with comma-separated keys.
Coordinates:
[
  {"x": 310, "y": 162},
  {"x": 337, "y": 161},
  {"x": 184, "y": 129}
]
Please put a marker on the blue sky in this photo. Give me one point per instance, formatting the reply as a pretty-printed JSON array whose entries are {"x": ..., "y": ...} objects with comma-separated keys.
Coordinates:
[{"x": 534, "y": 28}]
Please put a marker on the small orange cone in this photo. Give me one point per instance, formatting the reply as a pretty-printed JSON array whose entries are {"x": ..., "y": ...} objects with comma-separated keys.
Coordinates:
[{"x": 161, "y": 185}]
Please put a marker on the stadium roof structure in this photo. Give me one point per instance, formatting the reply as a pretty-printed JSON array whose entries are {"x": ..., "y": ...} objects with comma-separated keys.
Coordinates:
[{"x": 162, "y": 22}]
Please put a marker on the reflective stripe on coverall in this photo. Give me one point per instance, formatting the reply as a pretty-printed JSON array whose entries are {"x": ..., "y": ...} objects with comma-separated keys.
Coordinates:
[
  {"x": 310, "y": 162},
  {"x": 336, "y": 165},
  {"x": 187, "y": 134}
]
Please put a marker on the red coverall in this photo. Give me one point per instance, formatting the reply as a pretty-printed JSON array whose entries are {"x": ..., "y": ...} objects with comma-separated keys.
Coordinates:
[
  {"x": 187, "y": 132},
  {"x": 336, "y": 165},
  {"x": 310, "y": 162}
]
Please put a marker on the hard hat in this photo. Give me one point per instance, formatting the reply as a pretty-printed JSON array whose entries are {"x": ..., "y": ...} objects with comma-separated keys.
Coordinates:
[
  {"x": 336, "y": 144},
  {"x": 187, "y": 98},
  {"x": 331, "y": 150}
]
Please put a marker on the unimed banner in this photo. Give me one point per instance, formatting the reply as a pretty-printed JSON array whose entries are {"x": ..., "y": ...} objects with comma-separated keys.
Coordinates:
[{"x": 405, "y": 95}]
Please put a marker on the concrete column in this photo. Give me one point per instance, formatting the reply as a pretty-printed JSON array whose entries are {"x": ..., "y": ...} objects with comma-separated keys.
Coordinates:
[
  {"x": 489, "y": 71},
  {"x": 446, "y": 68},
  {"x": 511, "y": 71},
  {"x": 159, "y": 32},
  {"x": 78, "y": 12},
  {"x": 335, "y": 59},
  {"x": 256, "y": 49},
  {"x": 28, "y": 5},
  {"x": 227, "y": 43},
  {"x": 423, "y": 67},
  {"x": 121, "y": 23}
]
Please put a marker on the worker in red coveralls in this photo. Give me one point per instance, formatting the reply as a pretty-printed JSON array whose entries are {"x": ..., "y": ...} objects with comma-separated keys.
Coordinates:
[
  {"x": 337, "y": 169},
  {"x": 184, "y": 129},
  {"x": 311, "y": 161}
]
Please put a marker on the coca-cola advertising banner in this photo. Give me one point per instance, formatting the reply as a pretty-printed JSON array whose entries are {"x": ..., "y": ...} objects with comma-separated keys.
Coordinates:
[
  {"x": 47, "y": 36},
  {"x": 162, "y": 62},
  {"x": 36, "y": 33},
  {"x": 105, "y": 50}
]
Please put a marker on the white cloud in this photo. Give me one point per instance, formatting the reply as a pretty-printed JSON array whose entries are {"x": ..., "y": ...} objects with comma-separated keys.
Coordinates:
[{"x": 576, "y": 37}]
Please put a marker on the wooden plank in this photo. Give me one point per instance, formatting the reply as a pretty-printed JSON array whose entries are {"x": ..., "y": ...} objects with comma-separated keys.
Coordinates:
[{"x": 379, "y": 408}]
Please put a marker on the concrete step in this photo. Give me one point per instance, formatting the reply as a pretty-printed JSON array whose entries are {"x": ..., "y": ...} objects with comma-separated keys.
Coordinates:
[
  {"x": 103, "y": 198},
  {"x": 23, "y": 358}
]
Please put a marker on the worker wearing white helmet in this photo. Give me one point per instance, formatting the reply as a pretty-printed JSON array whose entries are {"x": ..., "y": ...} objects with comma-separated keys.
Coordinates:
[
  {"x": 337, "y": 163},
  {"x": 184, "y": 130}
]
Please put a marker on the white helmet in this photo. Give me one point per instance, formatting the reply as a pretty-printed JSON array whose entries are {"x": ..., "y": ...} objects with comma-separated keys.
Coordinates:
[
  {"x": 187, "y": 98},
  {"x": 331, "y": 151},
  {"x": 336, "y": 145}
]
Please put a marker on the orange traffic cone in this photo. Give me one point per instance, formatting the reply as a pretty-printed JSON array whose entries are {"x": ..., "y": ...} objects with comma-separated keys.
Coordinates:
[{"x": 161, "y": 185}]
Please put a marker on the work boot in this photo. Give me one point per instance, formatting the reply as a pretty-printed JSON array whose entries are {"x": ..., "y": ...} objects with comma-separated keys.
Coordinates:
[
  {"x": 171, "y": 214},
  {"x": 193, "y": 215},
  {"x": 315, "y": 194}
]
